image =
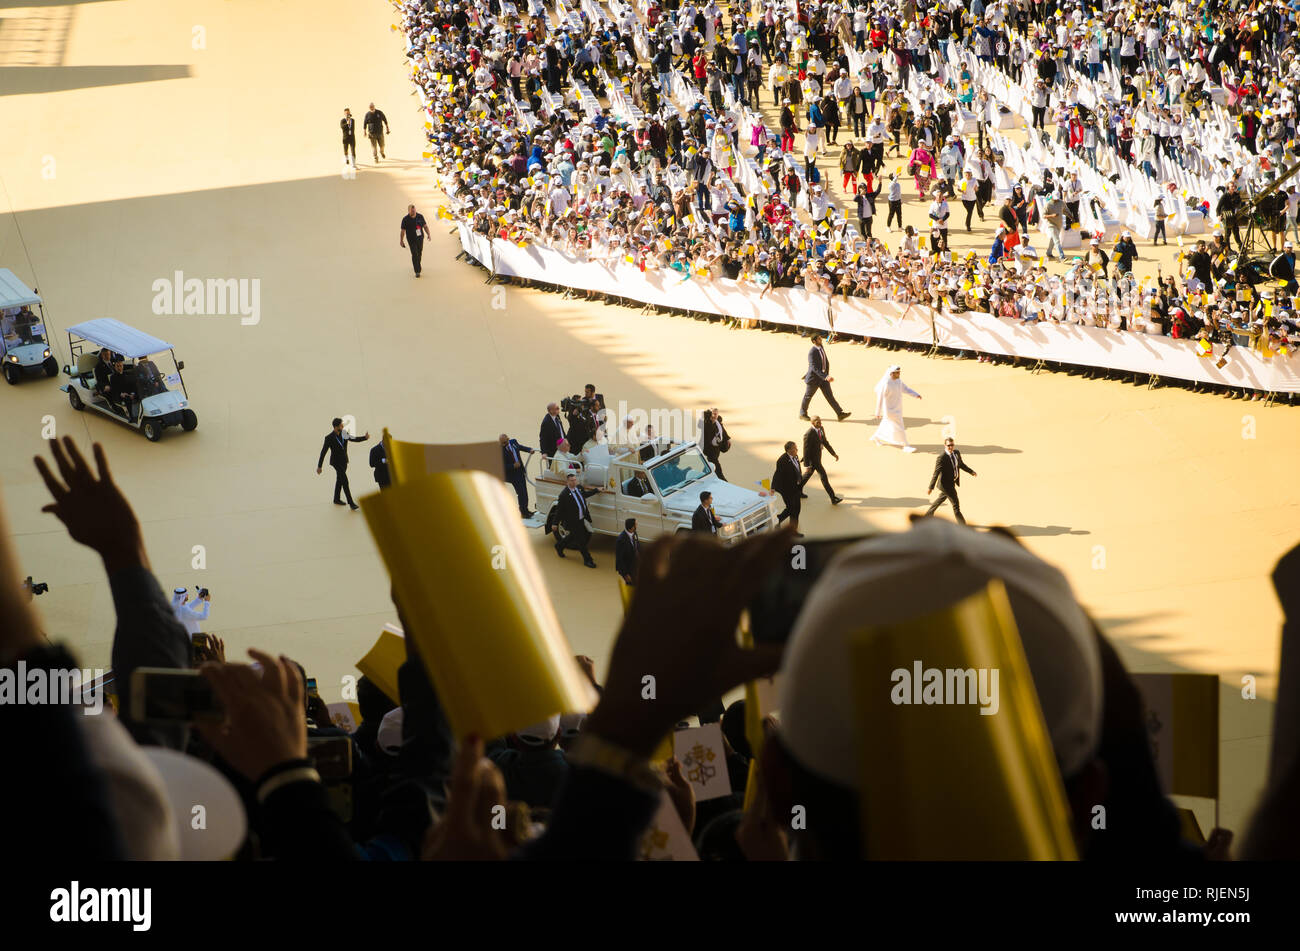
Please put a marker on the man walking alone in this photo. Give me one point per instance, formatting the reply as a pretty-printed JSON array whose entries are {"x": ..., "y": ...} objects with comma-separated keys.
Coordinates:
[
  {"x": 414, "y": 230},
  {"x": 336, "y": 444},
  {"x": 376, "y": 124}
]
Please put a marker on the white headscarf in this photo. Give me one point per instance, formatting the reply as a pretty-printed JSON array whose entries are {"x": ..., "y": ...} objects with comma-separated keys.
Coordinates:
[{"x": 883, "y": 387}]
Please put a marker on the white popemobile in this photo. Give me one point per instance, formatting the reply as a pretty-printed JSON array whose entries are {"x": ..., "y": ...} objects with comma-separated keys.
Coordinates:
[
  {"x": 154, "y": 406},
  {"x": 23, "y": 345},
  {"x": 658, "y": 483}
]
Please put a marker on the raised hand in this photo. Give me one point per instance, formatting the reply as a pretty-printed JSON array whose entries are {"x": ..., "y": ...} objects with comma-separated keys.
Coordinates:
[
  {"x": 264, "y": 723},
  {"x": 465, "y": 833},
  {"x": 696, "y": 659},
  {"x": 91, "y": 506}
]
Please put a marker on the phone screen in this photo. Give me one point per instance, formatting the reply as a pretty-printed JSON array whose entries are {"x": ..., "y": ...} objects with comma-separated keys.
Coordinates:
[
  {"x": 311, "y": 686},
  {"x": 775, "y": 608},
  {"x": 173, "y": 696}
]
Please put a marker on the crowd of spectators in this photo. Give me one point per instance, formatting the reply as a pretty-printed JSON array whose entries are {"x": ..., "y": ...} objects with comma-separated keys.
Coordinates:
[
  {"x": 401, "y": 786},
  {"x": 618, "y": 138}
]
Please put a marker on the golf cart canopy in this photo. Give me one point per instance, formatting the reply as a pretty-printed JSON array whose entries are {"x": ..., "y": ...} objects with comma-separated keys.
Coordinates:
[
  {"x": 13, "y": 292},
  {"x": 118, "y": 337}
]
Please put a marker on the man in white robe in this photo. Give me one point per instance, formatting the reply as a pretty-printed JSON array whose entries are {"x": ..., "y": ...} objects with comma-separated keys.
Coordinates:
[
  {"x": 889, "y": 407},
  {"x": 191, "y": 614}
]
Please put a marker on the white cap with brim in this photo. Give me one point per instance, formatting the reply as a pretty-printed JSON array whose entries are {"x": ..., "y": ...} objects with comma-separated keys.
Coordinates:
[
  {"x": 191, "y": 781},
  {"x": 389, "y": 735},
  {"x": 541, "y": 733},
  {"x": 899, "y": 577}
]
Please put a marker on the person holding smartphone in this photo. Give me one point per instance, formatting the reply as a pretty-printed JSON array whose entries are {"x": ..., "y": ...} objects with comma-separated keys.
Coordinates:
[{"x": 190, "y": 614}]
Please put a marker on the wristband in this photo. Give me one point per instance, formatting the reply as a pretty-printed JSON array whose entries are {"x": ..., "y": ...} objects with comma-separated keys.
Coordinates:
[{"x": 290, "y": 771}]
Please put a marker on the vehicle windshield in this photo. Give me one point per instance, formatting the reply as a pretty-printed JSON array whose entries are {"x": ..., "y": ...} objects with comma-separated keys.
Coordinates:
[
  {"x": 671, "y": 474},
  {"x": 148, "y": 381},
  {"x": 22, "y": 327}
]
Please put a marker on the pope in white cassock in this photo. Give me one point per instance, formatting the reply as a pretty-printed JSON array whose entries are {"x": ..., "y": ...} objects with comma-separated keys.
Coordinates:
[{"x": 889, "y": 407}]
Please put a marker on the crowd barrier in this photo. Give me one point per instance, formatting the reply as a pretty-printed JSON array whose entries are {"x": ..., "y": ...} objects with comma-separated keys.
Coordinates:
[{"x": 918, "y": 324}]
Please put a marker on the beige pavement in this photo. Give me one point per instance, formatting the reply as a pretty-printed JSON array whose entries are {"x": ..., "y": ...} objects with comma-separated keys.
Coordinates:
[{"x": 1165, "y": 516}]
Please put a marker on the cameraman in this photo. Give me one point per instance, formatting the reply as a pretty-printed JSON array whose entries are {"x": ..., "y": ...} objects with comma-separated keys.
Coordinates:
[
  {"x": 596, "y": 402},
  {"x": 581, "y": 421}
]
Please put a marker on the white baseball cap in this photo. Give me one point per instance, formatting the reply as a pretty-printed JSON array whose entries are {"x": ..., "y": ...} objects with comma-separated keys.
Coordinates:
[{"x": 897, "y": 577}]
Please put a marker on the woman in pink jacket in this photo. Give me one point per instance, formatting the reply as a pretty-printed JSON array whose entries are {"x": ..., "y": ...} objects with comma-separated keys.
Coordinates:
[{"x": 922, "y": 167}]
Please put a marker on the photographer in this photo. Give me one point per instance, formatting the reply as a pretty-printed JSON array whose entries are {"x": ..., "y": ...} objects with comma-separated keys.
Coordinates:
[
  {"x": 580, "y": 418},
  {"x": 191, "y": 614}
]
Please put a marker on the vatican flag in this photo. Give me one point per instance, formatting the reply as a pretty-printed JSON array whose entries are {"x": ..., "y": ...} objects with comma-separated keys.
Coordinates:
[
  {"x": 1181, "y": 712},
  {"x": 474, "y": 601},
  {"x": 995, "y": 791}
]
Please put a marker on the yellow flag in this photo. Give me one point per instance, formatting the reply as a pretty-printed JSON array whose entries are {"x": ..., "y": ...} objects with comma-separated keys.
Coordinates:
[
  {"x": 1012, "y": 804},
  {"x": 410, "y": 460},
  {"x": 381, "y": 661},
  {"x": 483, "y": 618}
]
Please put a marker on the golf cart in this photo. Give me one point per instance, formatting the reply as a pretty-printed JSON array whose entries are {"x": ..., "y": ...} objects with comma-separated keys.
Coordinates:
[
  {"x": 23, "y": 346},
  {"x": 144, "y": 402}
]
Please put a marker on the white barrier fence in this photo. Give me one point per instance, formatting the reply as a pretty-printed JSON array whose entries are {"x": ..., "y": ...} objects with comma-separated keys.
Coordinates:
[{"x": 983, "y": 333}]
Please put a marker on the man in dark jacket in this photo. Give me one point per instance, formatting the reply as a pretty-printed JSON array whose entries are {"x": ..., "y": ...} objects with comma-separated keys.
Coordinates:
[
  {"x": 376, "y": 124},
  {"x": 813, "y": 442},
  {"x": 336, "y": 444}
]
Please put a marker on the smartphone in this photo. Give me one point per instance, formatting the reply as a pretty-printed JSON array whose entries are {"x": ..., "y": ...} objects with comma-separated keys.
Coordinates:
[
  {"x": 167, "y": 695},
  {"x": 775, "y": 607},
  {"x": 331, "y": 756},
  {"x": 311, "y": 687}
]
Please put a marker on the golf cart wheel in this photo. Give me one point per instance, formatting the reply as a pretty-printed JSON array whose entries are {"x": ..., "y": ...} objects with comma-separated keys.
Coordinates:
[
  {"x": 12, "y": 373},
  {"x": 74, "y": 400},
  {"x": 51, "y": 367},
  {"x": 152, "y": 430},
  {"x": 189, "y": 420}
]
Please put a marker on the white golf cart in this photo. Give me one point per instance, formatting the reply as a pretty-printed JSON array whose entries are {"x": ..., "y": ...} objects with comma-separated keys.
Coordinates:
[
  {"x": 659, "y": 484},
  {"x": 24, "y": 348},
  {"x": 147, "y": 404}
]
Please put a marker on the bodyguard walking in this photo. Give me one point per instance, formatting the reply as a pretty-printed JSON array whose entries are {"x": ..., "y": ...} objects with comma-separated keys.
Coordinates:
[
  {"x": 513, "y": 462},
  {"x": 415, "y": 231},
  {"x": 814, "y": 441},
  {"x": 336, "y": 444},
  {"x": 818, "y": 378},
  {"x": 947, "y": 472}
]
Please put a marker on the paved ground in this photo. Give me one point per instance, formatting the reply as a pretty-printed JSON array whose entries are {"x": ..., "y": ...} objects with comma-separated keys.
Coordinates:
[{"x": 1165, "y": 508}]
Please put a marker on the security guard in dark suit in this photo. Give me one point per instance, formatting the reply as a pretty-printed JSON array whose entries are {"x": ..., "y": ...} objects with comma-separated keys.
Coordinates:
[
  {"x": 512, "y": 462},
  {"x": 704, "y": 518},
  {"x": 785, "y": 483},
  {"x": 813, "y": 442},
  {"x": 627, "y": 552},
  {"x": 572, "y": 513},
  {"x": 551, "y": 431},
  {"x": 947, "y": 472},
  {"x": 379, "y": 462},
  {"x": 336, "y": 444}
]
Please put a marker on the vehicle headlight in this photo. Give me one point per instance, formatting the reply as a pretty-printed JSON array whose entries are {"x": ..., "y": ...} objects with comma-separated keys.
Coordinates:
[
  {"x": 731, "y": 528},
  {"x": 47, "y": 353},
  {"x": 13, "y": 358}
]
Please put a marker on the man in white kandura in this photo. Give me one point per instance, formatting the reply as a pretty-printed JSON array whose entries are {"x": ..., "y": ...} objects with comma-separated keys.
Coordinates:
[{"x": 889, "y": 408}]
